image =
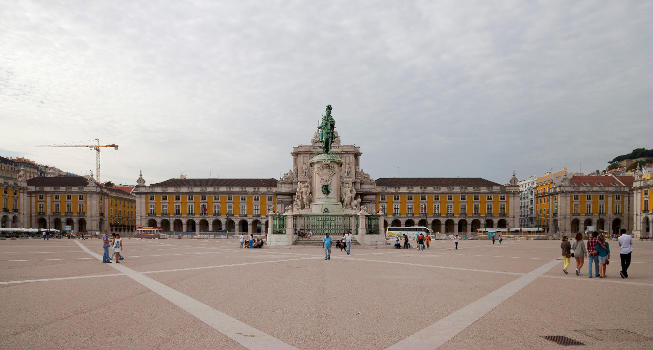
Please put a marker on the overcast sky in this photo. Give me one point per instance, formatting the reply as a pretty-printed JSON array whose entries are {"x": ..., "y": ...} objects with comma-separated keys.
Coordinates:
[{"x": 426, "y": 89}]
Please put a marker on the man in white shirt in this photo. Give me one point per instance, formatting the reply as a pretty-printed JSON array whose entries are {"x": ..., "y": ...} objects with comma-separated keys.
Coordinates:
[
  {"x": 348, "y": 242},
  {"x": 625, "y": 250},
  {"x": 242, "y": 240}
]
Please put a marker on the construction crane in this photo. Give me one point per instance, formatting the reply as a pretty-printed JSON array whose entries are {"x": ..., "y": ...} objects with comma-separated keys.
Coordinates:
[{"x": 97, "y": 147}]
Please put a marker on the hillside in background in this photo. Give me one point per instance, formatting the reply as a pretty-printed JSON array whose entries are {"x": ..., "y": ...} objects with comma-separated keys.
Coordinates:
[{"x": 630, "y": 161}]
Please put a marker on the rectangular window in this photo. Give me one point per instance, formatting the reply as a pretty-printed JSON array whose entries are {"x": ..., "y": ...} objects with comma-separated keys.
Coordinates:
[
  {"x": 422, "y": 197},
  {"x": 601, "y": 197},
  {"x": 203, "y": 197},
  {"x": 243, "y": 210},
  {"x": 230, "y": 209},
  {"x": 575, "y": 197},
  {"x": 395, "y": 209},
  {"x": 502, "y": 208},
  {"x": 488, "y": 209},
  {"x": 151, "y": 198},
  {"x": 502, "y": 197},
  {"x": 396, "y": 198},
  {"x": 56, "y": 197},
  {"x": 270, "y": 199},
  {"x": 449, "y": 209},
  {"x": 269, "y": 208},
  {"x": 151, "y": 212},
  {"x": 164, "y": 209},
  {"x": 422, "y": 209},
  {"x": 588, "y": 208},
  {"x": 81, "y": 197},
  {"x": 436, "y": 209},
  {"x": 190, "y": 197},
  {"x": 449, "y": 197},
  {"x": 191, "y": 209},
  {"x": 382, "y": 198},
  {"x": 436, "y": 197},
  {"x": 588, "y": 197},
  {"x": 476, "y": 197},
  {"x": 69, "y": 197},
  {"x": 41, "y": 210},
  {"x": 463, "y": 209},
  {"x": 257, "y": 211},
  {"x": 80, "y": 208},
  {"x": 177, "y": 197},
  {"x": 216, "y": 198},
  {"x": 410, "y": 198},
  {"x": 601, "y": 208},
  {"x": 216, "y": 209},
  {"x": 230, "y": 198},
  {"x": 463, "y": 197},
  {"x": 409, "y": 210},
  {"x": 242, "y": 198},
  {"x": 646, "y": 192},
  {"x": 617, "y": 209},
  {"x": 164, "y": 198},
  {"x": 40, "y": 197},
  {"x": 203, "y": 209},
  {"x": 576, "y": 209},
  {"x": 488, "y": 197},
  {"x": 383, "y": 208},
  {"x": 69, "y": 208},
  {"x": 617, "y": 197},
  {"x": 256, "y": 198},
  {"x": 477, "y": 209},
  {"x": 177, "y": 209}
]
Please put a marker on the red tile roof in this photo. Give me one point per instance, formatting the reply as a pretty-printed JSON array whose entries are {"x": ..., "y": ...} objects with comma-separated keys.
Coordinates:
[
  {"x": 435, "y": 181},
  {"x": 218, "y": 182},
  {"x": 601, "y": 180},
  {"x": 126, "y": 189}
]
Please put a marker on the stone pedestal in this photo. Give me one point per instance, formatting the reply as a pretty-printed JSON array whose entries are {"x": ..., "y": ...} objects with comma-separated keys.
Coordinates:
[{"x": 326, "y": 184}]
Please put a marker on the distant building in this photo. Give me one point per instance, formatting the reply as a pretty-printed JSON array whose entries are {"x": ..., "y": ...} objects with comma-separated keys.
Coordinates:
[{"x": 527, "y": 202}]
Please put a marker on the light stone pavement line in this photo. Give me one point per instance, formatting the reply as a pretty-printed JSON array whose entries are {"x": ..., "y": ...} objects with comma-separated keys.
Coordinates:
[
  {"x": 436, "y": 266},
  {"x": 245, "y": 335},
  {"x": 599, "y": 280},
  {"x": 440, "y": 332},
  {"x": 61, "y": 278}
]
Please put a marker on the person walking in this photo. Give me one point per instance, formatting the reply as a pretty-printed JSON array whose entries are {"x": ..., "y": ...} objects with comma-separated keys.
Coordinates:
[
  {"x": 113, "y": 239},
  {"x": 500, "y": 239},
  {"x": 348, "y": 242},
  {"x": 251, "y": 240},
  {"x": 592, "y": 256},
  {"x": 420, "y": 242},
  {"x": 493, "y": 238},
  {"x": 428, "y": 241},
  {"x": 105, "y": 245},
  {"x": 326, "y": 243},
  {"x": 566, "y": 253},
  {"x": 625, "y": 250},
  {"x": 117, "y": 247},
  {"x": 603, "y": 252},
  {"x": 242, "y": 240},
  {"x": 406, "y": 241},
  {"x": 579, "y": 252},
  {"x": 456, "y": 241}
]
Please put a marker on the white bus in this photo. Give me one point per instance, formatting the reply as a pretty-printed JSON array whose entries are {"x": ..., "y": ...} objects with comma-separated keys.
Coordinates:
[{"x": 411, "y": 232}]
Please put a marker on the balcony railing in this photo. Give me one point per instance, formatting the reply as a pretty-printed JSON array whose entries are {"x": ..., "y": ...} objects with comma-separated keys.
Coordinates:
[{"x": 151, "y": 214}]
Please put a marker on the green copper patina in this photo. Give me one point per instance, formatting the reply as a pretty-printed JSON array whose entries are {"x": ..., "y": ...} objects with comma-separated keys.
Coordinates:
[{"x": 327, "y": 127}]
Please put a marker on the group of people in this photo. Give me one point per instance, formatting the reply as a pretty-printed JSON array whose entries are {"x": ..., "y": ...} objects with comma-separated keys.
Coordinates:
[
  {"x": 251, "y": 242},
  {"x": 423, "y": 241},
  {"x": 345, "y": 242},
  {"x": 597, "y": 251},
  {"x": 116, "y": 243}
]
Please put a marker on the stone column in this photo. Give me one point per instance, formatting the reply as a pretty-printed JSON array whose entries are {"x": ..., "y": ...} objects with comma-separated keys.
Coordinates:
[
  {"x": 290, "y": 231},
  {"x": 270, "y": 222},
  {"x": 362, "y": 229}
]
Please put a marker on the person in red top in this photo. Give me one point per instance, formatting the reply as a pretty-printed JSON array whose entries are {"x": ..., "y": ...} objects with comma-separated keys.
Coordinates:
[{"x": 592, "y": 255}]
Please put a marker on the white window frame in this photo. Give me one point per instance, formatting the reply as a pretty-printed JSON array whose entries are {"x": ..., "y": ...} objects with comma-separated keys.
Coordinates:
[
  {"x": 190, "y": 209},
  {"x": 409, "y": 210},
  {"x": 257, "y": 210},
  {"x": 216, "y": 209},
  {"x": 164, "y": 209},
  {"x": 449, "y": 209},
  {"x": 151, "y": 211},
  {"x": 177, "y": 209}
]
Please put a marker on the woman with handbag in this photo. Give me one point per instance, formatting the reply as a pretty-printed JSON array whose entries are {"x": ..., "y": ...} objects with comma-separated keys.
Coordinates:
[
  {"x": 566, "y": 253},
  {"x": 579, "y": 251},
  {"x": 603, "y": 250}
]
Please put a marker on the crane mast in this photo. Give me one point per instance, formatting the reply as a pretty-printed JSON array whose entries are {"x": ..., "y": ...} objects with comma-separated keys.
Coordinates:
[{"x": 95, "y": 147}]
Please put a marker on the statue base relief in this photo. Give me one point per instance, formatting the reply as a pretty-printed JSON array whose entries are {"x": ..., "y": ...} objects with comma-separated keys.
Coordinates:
[{"x": 326, "y": 184}]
